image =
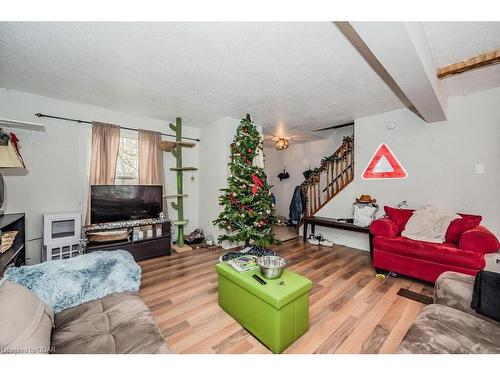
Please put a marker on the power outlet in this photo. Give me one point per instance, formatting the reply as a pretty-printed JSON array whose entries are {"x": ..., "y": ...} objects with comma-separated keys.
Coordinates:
[{"x": 479, "y": 169}]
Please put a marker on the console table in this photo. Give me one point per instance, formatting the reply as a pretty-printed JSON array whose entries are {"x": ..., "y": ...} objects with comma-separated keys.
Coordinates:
[
  {"x": 141, "y": 249},
  {"x": 16, "y": 255},
  {"x": 332, "y": 223}
]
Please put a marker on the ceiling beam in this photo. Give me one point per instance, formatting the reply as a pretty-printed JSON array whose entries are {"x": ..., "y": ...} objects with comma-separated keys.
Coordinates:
[
  {"x": 358, "y": 43},
  {"x": 479, "y": 61},
  {"x": 399, "y": 54},
  {"x": 335, "y": 126}
]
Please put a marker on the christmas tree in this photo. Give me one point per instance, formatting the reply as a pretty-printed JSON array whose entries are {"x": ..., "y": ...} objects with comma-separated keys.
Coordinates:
[{"x": 247, "y": 215}]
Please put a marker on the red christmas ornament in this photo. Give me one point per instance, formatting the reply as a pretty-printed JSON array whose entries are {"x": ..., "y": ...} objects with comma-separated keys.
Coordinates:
[
  {"x": 257, "y": 182},
  {"x": 249, "y": 150}
]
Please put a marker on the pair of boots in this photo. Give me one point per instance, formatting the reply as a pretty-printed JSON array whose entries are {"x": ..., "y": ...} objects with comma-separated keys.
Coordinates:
[{"x": 319, "y": 240}]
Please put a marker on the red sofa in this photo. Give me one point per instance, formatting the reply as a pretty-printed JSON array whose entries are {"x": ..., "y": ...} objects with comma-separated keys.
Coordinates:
[{"x": 464, "y": 249}]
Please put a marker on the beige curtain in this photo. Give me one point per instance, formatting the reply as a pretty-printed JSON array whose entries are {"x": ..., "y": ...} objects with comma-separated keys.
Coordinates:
[
  {"x": 150, "y": 158},
  {"x": 104, "y": 155},
  {"x": 151, "y": 161}
]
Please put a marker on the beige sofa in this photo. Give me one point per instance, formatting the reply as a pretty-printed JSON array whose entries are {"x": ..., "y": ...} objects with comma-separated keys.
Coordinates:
[
  {"x": 450, "y": 325},
  {"x": 116, "y": 324}
]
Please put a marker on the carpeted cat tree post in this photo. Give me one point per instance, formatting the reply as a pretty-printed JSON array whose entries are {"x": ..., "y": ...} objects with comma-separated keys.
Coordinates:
[{"x": 176, "y": 149}]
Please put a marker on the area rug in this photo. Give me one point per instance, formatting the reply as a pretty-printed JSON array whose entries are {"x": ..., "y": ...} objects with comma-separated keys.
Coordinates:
[
  {"x": 69, "y": 282},
  {"x": 257, "y": 251},
  {"x": 419, "y": 297}
]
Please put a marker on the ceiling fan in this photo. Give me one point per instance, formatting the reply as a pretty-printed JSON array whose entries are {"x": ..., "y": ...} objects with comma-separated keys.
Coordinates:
[{"x": 283, "y": 138}]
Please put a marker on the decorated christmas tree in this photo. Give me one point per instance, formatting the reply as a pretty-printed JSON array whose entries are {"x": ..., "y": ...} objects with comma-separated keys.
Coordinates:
[{"x": 247, "y": 215}]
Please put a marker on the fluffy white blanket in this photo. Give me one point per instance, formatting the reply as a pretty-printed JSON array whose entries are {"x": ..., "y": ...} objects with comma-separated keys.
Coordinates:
[{"x": 429, "y": 224}]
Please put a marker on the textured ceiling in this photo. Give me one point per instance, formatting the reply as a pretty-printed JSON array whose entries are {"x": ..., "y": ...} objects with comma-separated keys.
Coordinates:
[
  {"x": 451, "y": 42},
  {"x": 299, "y": 75}
]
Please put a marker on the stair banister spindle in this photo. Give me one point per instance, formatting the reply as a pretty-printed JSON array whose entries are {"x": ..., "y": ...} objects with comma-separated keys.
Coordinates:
[
  {"x": 352, "y": 160},
  {"x": 318, "y": 188},
  {"x": 313, "y": 187},
  {"x": 337, "y": 175},
  {"x": 327, "y": 179},
  {"x": 311, "y": 201}
]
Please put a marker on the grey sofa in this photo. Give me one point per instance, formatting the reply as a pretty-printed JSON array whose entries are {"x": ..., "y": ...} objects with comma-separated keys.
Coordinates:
[
  {"x": 449, "y": 325},
  {"x": 116, "y": 324}
]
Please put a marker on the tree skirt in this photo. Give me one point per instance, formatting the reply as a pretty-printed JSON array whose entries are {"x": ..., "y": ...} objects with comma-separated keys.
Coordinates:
[{"x": 69, "y": 282}]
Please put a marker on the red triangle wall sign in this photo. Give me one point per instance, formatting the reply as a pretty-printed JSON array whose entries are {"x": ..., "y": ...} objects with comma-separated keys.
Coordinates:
[{"x": 384, "y": 165}]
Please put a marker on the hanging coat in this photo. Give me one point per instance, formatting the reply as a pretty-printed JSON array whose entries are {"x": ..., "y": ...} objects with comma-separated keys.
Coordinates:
[{"x": 297, "y": 206}]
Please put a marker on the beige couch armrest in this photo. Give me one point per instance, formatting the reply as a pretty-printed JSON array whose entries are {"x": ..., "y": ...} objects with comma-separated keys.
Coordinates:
[{"x": 454, "y": 290}]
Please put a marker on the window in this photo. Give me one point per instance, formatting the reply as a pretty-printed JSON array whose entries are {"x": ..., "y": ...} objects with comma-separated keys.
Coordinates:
[{"x": 127, "y": 165}]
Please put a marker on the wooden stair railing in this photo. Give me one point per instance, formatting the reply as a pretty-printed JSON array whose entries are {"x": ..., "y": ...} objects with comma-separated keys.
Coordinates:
[{"x": 334, "y": 174}]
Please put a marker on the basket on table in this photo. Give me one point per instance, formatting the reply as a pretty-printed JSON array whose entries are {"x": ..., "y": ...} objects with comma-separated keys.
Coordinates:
[
  {"x": 108, "y": 236},
  {"x": 8, "y": 240}
]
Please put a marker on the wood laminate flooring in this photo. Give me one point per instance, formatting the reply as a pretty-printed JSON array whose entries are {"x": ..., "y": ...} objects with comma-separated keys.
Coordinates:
[{"x": 351, "y": 311}]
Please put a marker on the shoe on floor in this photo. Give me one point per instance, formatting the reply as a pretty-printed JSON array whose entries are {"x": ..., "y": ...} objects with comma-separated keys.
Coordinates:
[
  {"x": 312, "y": 240},
  {"x": 326, "y": 242},
  {"x": 323, "y": 241}
]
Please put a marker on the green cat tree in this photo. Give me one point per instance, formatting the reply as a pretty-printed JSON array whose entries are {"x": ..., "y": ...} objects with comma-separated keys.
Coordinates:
[{"x": 176, "y": 149}]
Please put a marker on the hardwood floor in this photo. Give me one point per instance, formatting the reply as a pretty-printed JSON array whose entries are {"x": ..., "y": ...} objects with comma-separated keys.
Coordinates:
[{"x": 351, "y": 311}]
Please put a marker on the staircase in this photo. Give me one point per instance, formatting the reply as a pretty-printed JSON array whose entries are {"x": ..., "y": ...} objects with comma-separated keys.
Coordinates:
[{"x": 333, "y": 175}]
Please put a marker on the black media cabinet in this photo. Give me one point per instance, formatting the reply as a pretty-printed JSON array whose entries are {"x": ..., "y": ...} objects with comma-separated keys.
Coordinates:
[
  {"x": 16, "y": 255},
  {"x": 142, "y": 249}
]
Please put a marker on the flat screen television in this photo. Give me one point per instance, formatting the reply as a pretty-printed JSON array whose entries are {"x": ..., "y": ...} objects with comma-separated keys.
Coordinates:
[{"x": 110, "y": 203}]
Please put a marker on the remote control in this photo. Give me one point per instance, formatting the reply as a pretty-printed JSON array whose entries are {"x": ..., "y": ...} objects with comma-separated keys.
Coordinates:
[{"x": 259, "y": 279}]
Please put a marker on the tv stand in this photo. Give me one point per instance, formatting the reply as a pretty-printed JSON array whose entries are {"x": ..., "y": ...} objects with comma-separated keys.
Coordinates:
[
  {"x": 16, "y": 255},
  {"x": 141, "y": 249}
]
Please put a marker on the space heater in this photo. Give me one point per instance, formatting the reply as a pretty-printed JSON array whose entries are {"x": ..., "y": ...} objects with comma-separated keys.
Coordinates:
[{"x": 61, "y": 235}]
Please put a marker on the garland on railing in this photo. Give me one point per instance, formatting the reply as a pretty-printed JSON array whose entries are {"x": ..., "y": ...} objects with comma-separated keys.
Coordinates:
[{"x": 337, "y": 156}]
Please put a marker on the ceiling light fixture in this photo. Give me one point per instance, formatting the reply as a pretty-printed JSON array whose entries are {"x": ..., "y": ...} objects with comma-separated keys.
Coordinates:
[{"x": 281, "y": 143}]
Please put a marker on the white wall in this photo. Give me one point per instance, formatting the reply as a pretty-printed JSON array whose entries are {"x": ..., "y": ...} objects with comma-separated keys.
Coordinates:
[
  {"x": 214, "y": 170},
  {"x": 439, "y": 158},
  {"x": 56, "y": 177},
  {"x": 273, "y": 165},
  {"x": 297, "y": 158}
]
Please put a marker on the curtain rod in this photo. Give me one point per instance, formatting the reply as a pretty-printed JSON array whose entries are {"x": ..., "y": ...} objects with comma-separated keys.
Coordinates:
[{"x": 121, "y": 127}]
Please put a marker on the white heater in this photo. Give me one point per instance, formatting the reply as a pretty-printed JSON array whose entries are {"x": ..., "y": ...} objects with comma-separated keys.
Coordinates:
[{"x": 61, "y": 235}]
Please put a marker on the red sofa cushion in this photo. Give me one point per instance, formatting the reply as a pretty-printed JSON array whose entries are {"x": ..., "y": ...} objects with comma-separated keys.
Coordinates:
[
  {"x": 458, "y": 226},
  {"x": 399, "y": 215},
  {"x": 479, "y": 239},
  {"x": 384, "y": 227},
  {"x": 446, "y": 253}
]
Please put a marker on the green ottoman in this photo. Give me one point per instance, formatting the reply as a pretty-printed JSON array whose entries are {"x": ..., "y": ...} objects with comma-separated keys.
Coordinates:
[{"x": 276, "y": 313}]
